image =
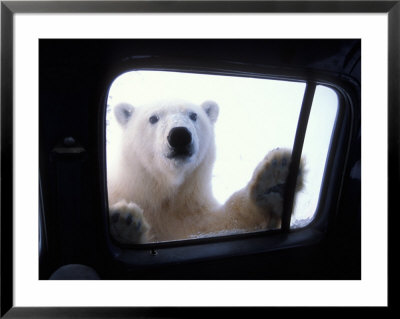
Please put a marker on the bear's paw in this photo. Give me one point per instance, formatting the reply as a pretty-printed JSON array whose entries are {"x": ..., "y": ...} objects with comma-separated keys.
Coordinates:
[
  {"x": 269, "y": 179},
  {"x": 127, "y": 223}
]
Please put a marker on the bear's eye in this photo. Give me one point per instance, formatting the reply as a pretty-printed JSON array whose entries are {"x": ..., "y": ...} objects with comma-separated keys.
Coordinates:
[
  {"x": 193, "y": 116},
  {"x": 153, "y": 119}
]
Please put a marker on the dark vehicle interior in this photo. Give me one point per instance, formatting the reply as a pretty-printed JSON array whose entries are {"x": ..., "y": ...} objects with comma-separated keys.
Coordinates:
[{"x": 74, "y": 77}]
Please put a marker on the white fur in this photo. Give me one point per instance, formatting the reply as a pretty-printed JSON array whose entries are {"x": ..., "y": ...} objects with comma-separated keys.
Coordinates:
[{"x": 174, "y": 196}]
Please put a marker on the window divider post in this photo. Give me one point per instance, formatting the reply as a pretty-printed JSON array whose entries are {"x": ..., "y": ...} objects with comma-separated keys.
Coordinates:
[{"x": 291, "y": 180}]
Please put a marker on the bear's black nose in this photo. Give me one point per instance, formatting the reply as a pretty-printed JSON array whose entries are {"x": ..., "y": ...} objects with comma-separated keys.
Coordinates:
[{"x": 179, "y": 137}]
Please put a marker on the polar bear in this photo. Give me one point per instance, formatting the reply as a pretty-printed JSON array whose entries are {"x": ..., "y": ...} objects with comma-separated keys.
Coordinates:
[{"x": 160, "y": 187}]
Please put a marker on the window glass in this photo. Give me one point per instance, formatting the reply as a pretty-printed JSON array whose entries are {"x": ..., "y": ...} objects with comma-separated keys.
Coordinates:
[
  {"x": 255, "y": 116},
  {"x": 315, "y": 150}
]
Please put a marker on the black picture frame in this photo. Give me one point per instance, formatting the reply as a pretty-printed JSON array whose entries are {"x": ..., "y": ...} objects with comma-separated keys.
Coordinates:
[{"x": 9, "y": 8}]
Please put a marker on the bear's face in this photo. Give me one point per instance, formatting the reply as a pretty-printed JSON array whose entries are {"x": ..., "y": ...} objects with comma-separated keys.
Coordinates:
[{"x": 170, "y": 139}]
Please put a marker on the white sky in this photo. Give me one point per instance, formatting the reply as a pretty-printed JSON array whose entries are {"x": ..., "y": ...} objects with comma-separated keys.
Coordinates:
[{"x": 256, "y": 116}]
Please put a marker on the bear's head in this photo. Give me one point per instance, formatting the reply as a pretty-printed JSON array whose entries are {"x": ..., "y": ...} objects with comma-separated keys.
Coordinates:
[{"x": 170, "y": 140}]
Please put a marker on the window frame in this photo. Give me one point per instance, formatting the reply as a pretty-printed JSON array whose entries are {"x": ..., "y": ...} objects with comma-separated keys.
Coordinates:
[{"x": 191, "y": 250}]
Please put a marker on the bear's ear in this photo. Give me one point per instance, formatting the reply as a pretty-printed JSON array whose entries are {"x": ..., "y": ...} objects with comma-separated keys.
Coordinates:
[
  {"x": 123, "y": 112},
  {"x": 212, "y": 109}
]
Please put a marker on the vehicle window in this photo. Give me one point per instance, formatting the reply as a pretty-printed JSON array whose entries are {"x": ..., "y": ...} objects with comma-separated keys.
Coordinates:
[{"x": 148, "y": 111}]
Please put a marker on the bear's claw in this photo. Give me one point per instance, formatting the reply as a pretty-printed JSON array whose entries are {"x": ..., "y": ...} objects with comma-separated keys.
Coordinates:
[
  {"x": 114, "y": 217},
  {"x": 279, "y": 188}
]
